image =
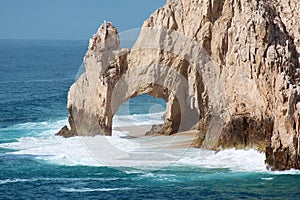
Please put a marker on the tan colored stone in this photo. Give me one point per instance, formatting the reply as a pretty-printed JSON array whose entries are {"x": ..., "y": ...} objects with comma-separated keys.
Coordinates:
[{"x": 230, "y": 66}]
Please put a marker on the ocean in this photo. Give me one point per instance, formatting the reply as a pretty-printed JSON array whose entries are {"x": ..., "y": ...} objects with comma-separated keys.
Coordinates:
[{"x": 36, "y": 164}]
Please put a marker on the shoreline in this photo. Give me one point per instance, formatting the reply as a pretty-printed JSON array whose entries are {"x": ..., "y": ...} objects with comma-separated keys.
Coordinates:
[{"x": 183, "y": 139}]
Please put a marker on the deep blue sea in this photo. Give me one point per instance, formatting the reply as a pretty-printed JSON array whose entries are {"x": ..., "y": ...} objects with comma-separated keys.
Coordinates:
[{"x": 34, "y": 164}]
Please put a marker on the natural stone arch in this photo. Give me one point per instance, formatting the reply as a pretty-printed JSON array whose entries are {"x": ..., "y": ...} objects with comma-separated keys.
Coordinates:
[
  {"x": 180, "y": 66},
  {"x": 172, "y": 115},
  {"x": 260, "y": 65},
  {"x": 152, "y": 77}
]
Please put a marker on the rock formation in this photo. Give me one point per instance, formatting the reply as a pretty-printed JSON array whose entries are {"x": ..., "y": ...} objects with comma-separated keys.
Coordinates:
[{"x": 231, "y": 67}]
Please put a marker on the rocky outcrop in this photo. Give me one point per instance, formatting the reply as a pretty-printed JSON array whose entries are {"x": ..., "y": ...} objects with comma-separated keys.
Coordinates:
[
  {"x": 231, "y": 67},
  {"x": 155, "y": 129},
  {"x": 66, "y": 132}
]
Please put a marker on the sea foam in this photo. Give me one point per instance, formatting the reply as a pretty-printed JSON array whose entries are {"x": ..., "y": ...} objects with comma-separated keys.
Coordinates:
[
  {"x": 17, "y": 180},
  {"x": 92, "y": 189},
  {"x": 236, "y": 160},
  {"x": 119, "y": 151},
  {"x": 138, "y": 119}
]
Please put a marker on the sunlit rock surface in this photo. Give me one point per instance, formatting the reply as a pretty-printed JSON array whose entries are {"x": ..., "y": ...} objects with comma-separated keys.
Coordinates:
[{"x": 230, "y": 69}]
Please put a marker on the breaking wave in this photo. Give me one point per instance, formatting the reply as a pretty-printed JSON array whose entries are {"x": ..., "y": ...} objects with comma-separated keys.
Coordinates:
[
  {"x": 38, "y": 140},
  {"x": 92, "y": 189}
]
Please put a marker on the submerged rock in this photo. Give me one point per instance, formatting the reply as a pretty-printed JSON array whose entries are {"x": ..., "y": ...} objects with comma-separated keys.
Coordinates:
[{"x": 229, "y": 67}]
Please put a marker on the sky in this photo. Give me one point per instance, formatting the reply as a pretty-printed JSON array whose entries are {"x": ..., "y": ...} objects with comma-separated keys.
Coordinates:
[{"x": 70, "y": 19}]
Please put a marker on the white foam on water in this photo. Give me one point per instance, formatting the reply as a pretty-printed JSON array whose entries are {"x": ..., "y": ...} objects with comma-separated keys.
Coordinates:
[
  {"x": 236, "y": 160},
  {"x": 53, "y": 125},
  {"x": 93, "y": 189},
  {"x": 17, "y": 180},
  {"x": 287, "y": 172},
  {"x": 138, "y": 119},
  {"x": 114, "y": 151},
  {"x": 133, "y": 171},
  {"x": 44, "y": 145},
  {"x": 76, "y": 150},
  {"x": 117, "y": 151},
  {"x": 267, "y": 179},
  {"x": 121, "y": 152},
  {"x": 80, "y": 179},
  {"x": 70, "y": 151},
  {"x": 159, "y": 177},
  {"x": 54, "y": 149},
  {"x": 119, "y": 121}
]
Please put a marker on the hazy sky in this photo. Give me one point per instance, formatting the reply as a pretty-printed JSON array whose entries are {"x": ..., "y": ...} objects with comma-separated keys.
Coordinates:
[{"x": 69, "y": 19}]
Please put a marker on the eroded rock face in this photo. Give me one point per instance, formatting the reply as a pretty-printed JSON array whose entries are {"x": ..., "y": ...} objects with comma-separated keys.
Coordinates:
[
  {"x": 255, "y": 44},
  {"x": 231, "y": 67}
]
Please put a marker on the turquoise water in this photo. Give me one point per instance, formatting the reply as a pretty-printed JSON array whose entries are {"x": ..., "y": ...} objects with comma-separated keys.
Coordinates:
[{"x": 34, "y": 164}]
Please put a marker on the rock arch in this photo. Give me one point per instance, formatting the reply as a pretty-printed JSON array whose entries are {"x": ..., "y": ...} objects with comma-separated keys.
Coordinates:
[
  {"x": 113, "y": 76},
  {"x": 255, "y": 81},
  {"x": 151, "y": 78}
]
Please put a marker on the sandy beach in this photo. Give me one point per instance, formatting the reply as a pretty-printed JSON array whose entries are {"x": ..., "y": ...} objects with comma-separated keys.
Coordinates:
[{"x": 179, "y": 140}]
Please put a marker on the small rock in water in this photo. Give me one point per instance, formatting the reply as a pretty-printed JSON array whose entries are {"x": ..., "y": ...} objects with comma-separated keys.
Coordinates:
[{"x": 65, "y": 132}]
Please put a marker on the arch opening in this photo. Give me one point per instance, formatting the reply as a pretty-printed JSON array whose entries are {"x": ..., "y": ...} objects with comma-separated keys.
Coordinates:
[{"x": 139, "y": 116}]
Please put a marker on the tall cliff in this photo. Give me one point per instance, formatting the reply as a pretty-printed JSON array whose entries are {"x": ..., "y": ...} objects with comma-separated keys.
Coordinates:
[{"x": 229, "y": 67}]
